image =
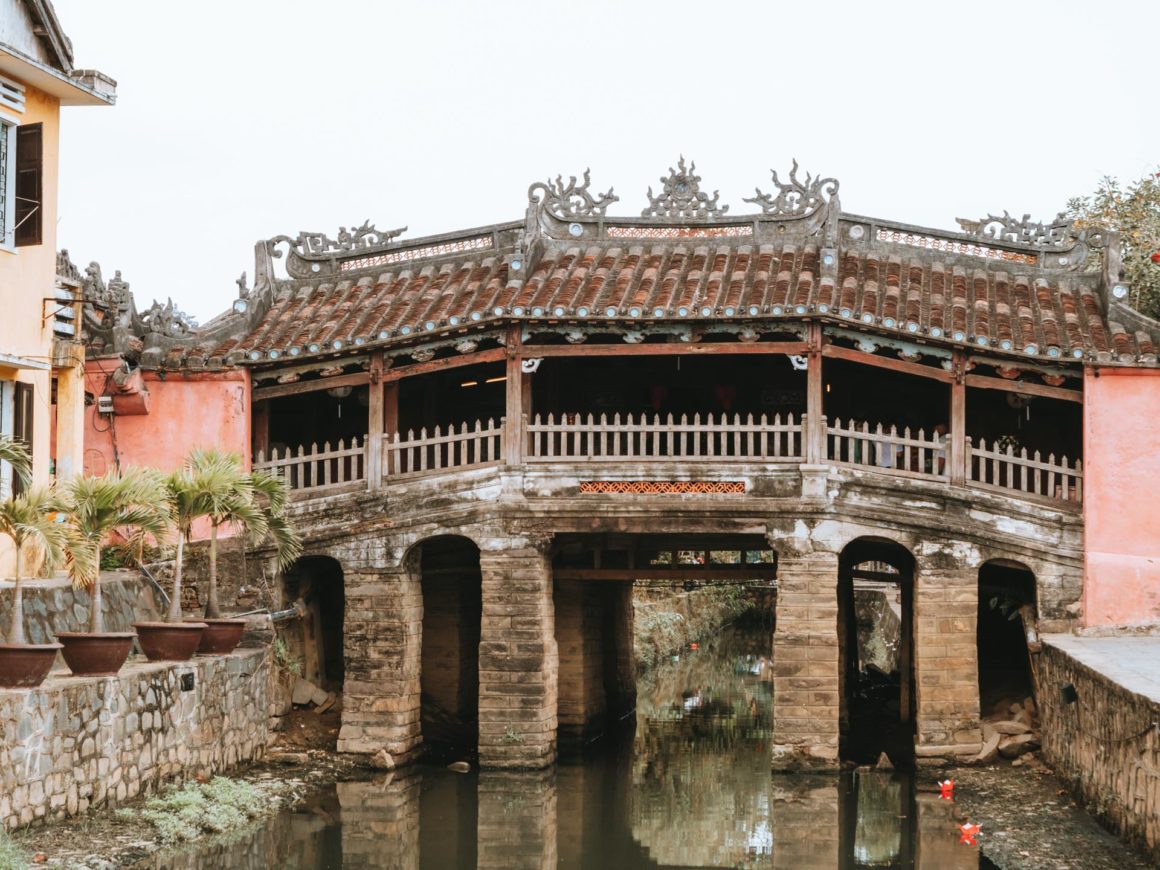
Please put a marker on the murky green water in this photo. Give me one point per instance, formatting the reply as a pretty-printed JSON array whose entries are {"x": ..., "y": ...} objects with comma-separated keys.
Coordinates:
[{"x": 687, "y": 786}]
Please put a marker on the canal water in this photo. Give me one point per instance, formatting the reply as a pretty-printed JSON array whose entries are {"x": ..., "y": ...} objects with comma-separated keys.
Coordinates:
[{"x": 683, "y": 783}]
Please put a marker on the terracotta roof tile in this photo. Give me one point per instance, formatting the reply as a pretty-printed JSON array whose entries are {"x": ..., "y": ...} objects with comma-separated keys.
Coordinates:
[{"x": 1012, "y": 308}]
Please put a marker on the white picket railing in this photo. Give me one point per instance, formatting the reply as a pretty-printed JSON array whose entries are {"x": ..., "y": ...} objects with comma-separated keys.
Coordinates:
[
  {"x": 911, "y": 452},
  {"x": 424, "y": 452},
  {"x": 998, "y": 468},
  {"x": 598, "y": 438},
  {"x": 317, "y": 468}
]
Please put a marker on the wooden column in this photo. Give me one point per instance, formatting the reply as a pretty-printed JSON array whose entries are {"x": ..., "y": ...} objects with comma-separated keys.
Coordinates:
[
  {"x": 514, "y": 406},
  {"x": 374, "y": 443},
  {"x": 957, "y": 456},
  {"x": 390, "y": 422},
  {"x": 816, "y": 429}
]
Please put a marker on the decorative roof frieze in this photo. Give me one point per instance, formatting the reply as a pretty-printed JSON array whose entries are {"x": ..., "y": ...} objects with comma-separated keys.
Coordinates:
[
  {"x": 361, "y": 238},
  {"x": 795, "y": 198},
  {"x": 571, "y": 200},
  {"x": 681, "y": 196}
]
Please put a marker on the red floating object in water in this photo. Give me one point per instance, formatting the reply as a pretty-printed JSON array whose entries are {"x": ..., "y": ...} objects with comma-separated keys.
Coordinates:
[
  {"x": 969, "y": 831},
  {"x": 946, "y": 790},
  {"x": 694, "y": 646}
]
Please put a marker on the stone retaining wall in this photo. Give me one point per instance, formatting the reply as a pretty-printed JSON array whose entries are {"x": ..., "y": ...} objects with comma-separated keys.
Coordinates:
[
  {"x": 55, "y": 605},
  {"x": 81, "y": 742},
  {"x": 1092, "y": 743}
]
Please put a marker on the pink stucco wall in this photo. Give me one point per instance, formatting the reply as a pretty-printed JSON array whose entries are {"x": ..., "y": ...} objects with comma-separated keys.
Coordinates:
[
  {"x": 1121, "y": 479},
  {"x": 185, "y": 411}
]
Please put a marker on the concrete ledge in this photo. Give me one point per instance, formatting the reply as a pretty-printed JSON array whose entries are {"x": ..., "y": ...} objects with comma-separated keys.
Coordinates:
[{"x": 81, "y": 742}]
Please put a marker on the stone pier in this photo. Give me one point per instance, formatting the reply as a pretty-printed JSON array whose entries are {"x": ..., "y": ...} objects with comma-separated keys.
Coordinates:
[
  {"x": 382, "y": 643},
  {"x": 946, "y": 602},
  {"x": 518, "y": 659},
  {"x": 805, "y": 664}
]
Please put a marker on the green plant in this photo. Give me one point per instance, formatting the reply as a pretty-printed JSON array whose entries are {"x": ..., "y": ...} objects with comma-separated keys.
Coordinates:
[
  {"x": 1133, "y": 211},
  {"x": 284, "y": 660},
  {"x": 186, "y": 813},
  {"x": 16, "y": 454},
  {"x": 133, "y": 501},
  {"x": 511, "y": 735},
  {"x": 256, "y": 503},
  {"x": 12, "y": 854},
  {"x": 30, "y": 520}
]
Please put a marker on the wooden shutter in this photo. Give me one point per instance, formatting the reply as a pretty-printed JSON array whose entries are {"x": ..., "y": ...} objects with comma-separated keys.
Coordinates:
[
  {"x": 22, "y": 426},
  {"x": 29, "y": 184}
]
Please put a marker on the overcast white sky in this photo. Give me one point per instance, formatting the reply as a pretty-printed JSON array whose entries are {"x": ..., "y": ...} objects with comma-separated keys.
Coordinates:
[{"x": 242, "y": 120}]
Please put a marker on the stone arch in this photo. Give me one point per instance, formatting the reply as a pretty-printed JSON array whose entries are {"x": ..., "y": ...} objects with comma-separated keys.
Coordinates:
[
  {"x": 448, "y": 569},
  {"x": 1007, "y": 619},
  {"x": 316, "y": 584},
  {"x": 875, "y": 624}
]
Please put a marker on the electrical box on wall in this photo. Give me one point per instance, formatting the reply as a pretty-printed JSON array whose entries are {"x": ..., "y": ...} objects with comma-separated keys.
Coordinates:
[{"x": 105, "y": 405}]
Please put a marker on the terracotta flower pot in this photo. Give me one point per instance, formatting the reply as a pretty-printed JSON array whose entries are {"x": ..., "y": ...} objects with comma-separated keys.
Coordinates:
[
  {"x": 221, "y": 636},
  {"x": 95, "y": 655},
  {"x": 169, "y": 641},
  {"x": 25, "y": 665}
]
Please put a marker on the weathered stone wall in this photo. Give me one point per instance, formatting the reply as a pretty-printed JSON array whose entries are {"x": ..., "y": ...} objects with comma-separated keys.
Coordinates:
[
  {"x": 809, "y": 515},
  {"x": 1096, "y": 744},
  {"x": 81, "y": 742},
  {"x": 55, "y": 605}
]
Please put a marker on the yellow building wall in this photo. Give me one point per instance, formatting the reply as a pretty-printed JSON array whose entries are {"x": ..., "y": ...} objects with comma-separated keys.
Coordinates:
[{"x": 27, "y": 277}]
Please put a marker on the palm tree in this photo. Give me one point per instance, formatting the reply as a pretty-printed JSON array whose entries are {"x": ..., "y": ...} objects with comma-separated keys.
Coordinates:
[
  {"x": 133, "y": 499},
  {"x": 254, "y": 502},
  {"x": 271, "y": 495},
  {"x": 30, "y": 520},
  {"x": 16, "y": 454}
]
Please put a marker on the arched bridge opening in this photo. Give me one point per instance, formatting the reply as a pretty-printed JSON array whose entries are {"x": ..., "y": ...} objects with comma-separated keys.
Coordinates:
[
  {"x": 876, "y": 651},
  {"x": 604, "y": 583},
  {"x": 452, "y": 612},
  {"x": 316, "y": 641}
]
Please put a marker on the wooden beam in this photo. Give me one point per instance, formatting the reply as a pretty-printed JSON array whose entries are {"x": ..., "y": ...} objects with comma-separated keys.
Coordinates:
[
  {"x": 882, "y": 362},
  {"x": 985, "y": 382},
  {"x": 815, "y": 399},
  {"x": 495, "y": 354},
  {"x": 958, "y": 418},
  {"x": 356, "y": 379},
  {"x": 655, "y": 572},
  {"x": 544, "y": 351}
]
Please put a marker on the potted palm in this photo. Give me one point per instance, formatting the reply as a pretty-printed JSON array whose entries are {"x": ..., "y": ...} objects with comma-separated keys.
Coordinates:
[
  {"x": 134, "y": 500},
  {"x": 255, "y": 504},
  {"x": 189, "y": 495},
  {"x": 29, "y": 520}
]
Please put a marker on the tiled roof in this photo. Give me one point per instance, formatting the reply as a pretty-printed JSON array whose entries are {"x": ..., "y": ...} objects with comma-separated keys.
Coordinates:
[{"x": 1006, "y": 306}]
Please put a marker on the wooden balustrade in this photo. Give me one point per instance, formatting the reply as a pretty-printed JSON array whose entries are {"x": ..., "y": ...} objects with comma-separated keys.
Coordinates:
[
  {"x": 469, "y": 447},
  {"x": 907, "y": 452},
  {"x": 317, "y": 469},
  {"x": 642, "y": 438},
  {"x": 1004, "y": 468},
  {"x": 597, "y": 438}
]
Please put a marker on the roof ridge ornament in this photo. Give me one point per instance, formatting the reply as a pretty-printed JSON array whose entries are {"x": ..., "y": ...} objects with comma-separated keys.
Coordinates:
[
  {"x": 795, "y": 198},
  {"x": 681, "y": 196},
  {"x": 361, "y": 238},
  {"x": 1059, "y": 233},
  {"x": 568, "y": 201}
]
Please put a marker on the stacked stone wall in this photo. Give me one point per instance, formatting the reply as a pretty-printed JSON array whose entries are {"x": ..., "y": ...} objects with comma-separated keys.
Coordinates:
[
  {"x": 81, "y": 742},
  {"x": 1096, "y": 743},
  {"x": 56, "y": 605}
]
